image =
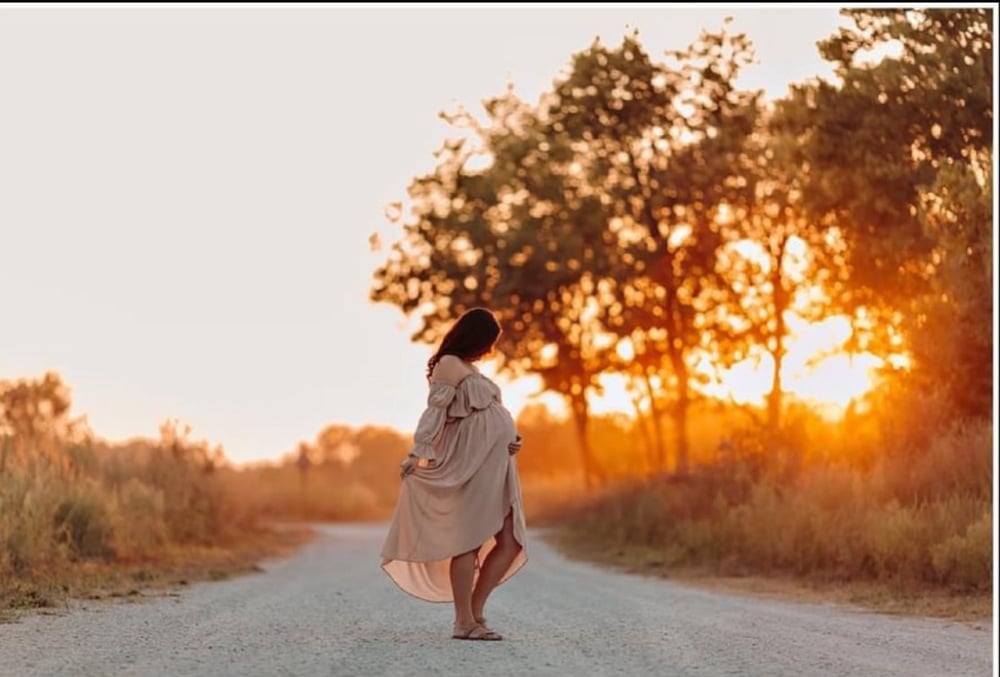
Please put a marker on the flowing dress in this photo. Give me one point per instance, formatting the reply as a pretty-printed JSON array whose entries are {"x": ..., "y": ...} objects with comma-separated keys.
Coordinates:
[{"x": 463, "y": 487}]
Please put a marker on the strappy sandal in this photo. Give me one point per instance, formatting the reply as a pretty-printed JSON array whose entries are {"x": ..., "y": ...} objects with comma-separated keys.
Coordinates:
[
  {"x": 476, "y": 632},
  {"x": 482, "y": 621}
]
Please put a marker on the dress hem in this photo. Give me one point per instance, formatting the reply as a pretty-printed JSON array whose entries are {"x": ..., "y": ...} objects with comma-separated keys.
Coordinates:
[{"x": 523, "y": 554}]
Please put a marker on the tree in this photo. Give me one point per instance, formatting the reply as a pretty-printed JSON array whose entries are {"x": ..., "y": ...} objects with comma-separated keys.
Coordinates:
[
  {"x": 34, "y": 419},
  {"x": 890, "y": 139},
  {"x": 664, "y": 145},
  {"x": 956, "y": 335},
  {"x": 593, "y": 219},
  {"x": 778, "y": 263}
]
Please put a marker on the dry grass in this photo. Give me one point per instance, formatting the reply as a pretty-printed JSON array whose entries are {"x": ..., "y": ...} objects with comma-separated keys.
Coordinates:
[
  {"x": 910, "y": 533},
  {"x": 899, "y": 520},
  {"x": 180, "y": 566},
  {"x": 974, "y": 608},
  {"x": 79, "y": 518},
  {"x": 323, "y": 494}
]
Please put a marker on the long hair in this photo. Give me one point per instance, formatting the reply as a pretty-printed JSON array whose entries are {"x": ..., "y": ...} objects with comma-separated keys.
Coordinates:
[{"x": 472, "y": 336}]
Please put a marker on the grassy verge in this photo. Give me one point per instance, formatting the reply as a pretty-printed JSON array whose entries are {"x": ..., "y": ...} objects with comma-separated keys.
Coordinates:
[
  {"x": 974, "y": 608},
  {"x": 53, "y": 589},
  {"x": 909, "y": 534},
  {"x": 84, "y": 519}
]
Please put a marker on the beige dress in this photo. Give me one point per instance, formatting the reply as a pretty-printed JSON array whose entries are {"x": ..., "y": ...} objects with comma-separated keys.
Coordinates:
[{"x": 461, "y": 491}]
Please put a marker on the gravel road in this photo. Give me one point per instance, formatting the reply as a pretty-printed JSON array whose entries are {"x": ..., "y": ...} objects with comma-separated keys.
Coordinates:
[{"x": 329, "y": 610}]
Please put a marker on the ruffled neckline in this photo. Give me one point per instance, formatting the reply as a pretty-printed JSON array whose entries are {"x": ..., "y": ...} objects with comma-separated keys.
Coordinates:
[{"x": 473, "y": 393}]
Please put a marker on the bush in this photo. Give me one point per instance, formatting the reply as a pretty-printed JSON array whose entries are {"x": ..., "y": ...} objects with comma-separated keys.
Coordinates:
[
  {"x": 81, "y": 520},
  {"x": 964, "y": 561},
  {"x": 923, "y": 521}
]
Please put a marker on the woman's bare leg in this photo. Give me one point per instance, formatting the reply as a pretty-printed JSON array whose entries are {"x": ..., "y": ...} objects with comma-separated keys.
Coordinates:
[
  {"x": 462, "y": 572},
  {"x": 495, "y": 565}
]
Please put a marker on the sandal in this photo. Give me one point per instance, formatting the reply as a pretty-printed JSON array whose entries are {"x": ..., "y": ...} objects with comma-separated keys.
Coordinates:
[
  {"x": 482, "y": 621},
  {"x": 476, "y": 632}
]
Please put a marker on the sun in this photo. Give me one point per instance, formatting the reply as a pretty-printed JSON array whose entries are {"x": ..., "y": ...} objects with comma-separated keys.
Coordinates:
[{"x": 816, "y": 370}]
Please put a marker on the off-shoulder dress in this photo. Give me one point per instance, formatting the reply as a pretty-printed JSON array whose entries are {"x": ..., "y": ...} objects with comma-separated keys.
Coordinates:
[{"x": 464, "y": 486}]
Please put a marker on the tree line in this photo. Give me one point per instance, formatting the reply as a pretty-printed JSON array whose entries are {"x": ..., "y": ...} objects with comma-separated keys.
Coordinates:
[{"x": 647, "y": 214}]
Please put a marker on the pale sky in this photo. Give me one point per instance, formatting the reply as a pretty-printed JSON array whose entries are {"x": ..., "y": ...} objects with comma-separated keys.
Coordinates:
[{"x": 186, "y": 193}]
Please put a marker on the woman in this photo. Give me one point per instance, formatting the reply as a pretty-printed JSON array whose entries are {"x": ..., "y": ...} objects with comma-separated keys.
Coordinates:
[{"x": 458, "y": 530}]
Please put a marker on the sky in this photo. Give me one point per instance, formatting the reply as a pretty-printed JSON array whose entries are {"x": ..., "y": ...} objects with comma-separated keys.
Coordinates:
[{"x": 187, "y": 193}]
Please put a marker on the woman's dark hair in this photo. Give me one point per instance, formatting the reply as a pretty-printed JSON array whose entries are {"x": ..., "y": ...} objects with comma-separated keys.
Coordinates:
[{"x": 472, "y": 336}]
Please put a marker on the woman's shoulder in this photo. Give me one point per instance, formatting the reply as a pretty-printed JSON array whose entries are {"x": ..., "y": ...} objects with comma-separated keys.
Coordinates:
[
  {"x": 453, "y": 360},
  {"x": 450, "y": 370}
]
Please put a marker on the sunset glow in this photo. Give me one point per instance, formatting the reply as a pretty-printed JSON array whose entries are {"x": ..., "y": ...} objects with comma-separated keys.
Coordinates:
[{"x": 816, "y": 371}]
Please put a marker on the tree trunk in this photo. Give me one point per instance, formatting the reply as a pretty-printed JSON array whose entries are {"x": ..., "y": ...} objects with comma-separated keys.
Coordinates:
[
  {"x": 681, "y": 416},
  {"x": 656, "y": 415},
  {"x": 774, "y": 398},
  {"x": 640, "y": 422},
  {"x": 675, "y": 351},
  {"x": 674, "y": 323},
  {"x": 581, "y": 419}
]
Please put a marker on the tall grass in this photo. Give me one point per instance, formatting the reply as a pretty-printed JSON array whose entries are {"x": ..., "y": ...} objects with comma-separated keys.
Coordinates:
[
  {"x": 901, "y": 498},
  {"x": 921, "y": 518},
  {"x": 323, "y": 493},
  {"x": 73, "y": 510}
]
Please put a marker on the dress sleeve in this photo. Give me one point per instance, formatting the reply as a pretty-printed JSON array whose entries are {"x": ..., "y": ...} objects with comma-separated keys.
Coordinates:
[{"x": 432, "y": 420}]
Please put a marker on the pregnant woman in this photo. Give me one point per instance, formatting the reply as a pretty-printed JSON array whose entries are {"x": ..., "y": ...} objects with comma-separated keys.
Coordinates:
[{"x": 458, "y": 530}]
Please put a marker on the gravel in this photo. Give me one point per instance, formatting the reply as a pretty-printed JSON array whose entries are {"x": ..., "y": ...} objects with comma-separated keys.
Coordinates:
[{"x": 329, "y": 610}]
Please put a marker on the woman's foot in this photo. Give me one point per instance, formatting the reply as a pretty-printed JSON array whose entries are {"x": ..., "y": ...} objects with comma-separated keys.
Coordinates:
[
  {"x": 482, "y": 621},
  {"x": 475, "y": 631}
]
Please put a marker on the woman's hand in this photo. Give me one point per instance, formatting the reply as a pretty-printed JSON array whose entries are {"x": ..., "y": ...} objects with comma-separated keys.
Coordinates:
[
  {"x": 411, "y": 463},
  {"x": 515, "y": 446},
  {"x": 407, "y": 466}
]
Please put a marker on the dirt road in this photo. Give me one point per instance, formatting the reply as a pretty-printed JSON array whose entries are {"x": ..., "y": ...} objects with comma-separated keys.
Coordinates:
[{"x": 329, "y": 610}]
